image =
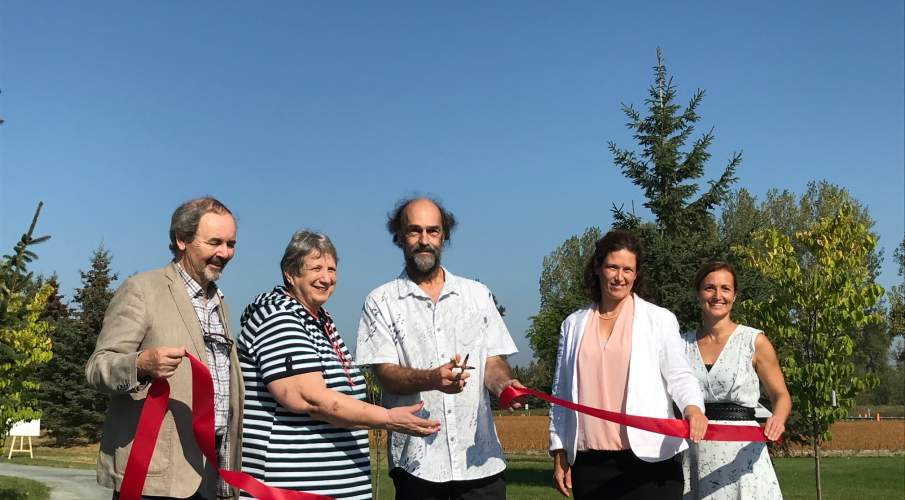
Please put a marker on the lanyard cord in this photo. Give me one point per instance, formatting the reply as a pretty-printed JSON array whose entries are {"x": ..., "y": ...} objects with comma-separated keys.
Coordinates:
[{"x": 330, "y": 332}]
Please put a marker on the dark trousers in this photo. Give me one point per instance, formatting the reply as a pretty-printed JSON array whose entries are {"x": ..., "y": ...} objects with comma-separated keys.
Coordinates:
[
  {"x": 409, "y": 487},
  {"x": 620, "y": 474}
]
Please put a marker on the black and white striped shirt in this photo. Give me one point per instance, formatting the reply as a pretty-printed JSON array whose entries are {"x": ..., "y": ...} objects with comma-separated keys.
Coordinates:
[{"x": 289, "y": 450}]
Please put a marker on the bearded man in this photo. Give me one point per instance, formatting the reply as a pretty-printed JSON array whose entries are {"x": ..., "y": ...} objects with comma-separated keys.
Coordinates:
[{"x": 436, "y": 337}]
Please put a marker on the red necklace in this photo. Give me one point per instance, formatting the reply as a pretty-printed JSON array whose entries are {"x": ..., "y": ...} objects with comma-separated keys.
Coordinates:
[{"x": 345, "y": 362}]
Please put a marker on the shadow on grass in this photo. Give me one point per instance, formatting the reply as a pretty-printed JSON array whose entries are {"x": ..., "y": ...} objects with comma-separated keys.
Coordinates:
[{"x": 529, "y": 471}]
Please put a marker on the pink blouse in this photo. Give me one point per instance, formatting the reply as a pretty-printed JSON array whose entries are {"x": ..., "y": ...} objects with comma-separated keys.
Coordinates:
[{"x": 603, "y": 379}]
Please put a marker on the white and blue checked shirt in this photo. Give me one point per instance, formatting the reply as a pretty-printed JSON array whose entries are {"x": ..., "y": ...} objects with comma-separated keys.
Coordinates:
[{"x": 217, "y": 346}]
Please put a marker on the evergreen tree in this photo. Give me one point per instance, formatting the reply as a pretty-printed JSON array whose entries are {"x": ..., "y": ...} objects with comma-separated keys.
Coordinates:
[
  {"x": 72, "y": 410},
  {"x": 683, "y": 234},
  {"x": 95, "y": 294},
  {"x": 56, "y": 309}
]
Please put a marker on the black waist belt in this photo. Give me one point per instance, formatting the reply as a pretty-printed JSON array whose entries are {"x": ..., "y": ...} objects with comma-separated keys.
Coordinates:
[{"x": 728, "y": 411}]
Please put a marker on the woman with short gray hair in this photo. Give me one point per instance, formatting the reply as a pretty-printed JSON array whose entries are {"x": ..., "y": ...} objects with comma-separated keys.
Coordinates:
[{"x": 305, "y": 415}]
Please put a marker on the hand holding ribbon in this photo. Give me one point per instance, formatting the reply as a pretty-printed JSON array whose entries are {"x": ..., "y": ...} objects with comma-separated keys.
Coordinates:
[
  {"x": 149, "y": 421},
  {"x": 666, "y": 426}
]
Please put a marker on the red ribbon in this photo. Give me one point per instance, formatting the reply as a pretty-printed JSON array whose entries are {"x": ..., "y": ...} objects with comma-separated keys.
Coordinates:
[
  {"x": 666, "y": 426},
  {"x": 152, "y": 413}
]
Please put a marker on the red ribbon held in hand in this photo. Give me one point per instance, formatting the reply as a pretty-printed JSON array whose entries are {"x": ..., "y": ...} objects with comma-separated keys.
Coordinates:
[
  {"x": 152, "y": 413},
  {"x": 666, "y": 426}
]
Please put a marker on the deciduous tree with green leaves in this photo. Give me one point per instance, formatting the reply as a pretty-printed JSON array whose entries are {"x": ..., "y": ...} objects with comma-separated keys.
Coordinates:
[
  {"x": 896, "y": 314},
  {"x": 819, "y": 294},
  {"x": 561, "y": 292},
  {"x": 24, "y": 342},
  {"x": 788, "y": 213}
]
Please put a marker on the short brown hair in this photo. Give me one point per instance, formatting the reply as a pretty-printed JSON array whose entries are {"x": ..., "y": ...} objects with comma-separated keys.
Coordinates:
[{"x": 184, "y": 222}]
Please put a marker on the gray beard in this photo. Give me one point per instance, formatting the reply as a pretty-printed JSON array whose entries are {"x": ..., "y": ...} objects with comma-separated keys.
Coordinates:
[
  {"x": 425, "y": 263},
  {"x": 210, "y": 275}
]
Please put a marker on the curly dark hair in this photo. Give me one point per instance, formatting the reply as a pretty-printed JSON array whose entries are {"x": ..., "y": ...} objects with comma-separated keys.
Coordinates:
[
  {"x": 613, "y": 241},
  {"x": 714, "y": 265},
  {"x": 395, "y": 222}
]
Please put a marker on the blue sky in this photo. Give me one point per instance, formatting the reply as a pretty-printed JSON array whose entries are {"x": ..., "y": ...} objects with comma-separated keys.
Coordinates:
[{"x": 324, "y": 114}]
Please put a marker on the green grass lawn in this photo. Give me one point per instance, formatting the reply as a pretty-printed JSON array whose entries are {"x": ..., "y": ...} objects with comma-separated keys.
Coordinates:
[
  {"x": 76, "y": 457},
  {"x": 17, "y": 488},
  {"x": 860, "y": 478},
  {"x": 530, "y": 476}
]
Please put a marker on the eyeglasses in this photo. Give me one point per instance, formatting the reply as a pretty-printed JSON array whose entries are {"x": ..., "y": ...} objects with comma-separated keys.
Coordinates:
[{"x": 218, "y": 338}]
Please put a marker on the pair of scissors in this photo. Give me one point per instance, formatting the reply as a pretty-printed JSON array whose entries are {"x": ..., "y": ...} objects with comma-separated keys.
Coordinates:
[{"x": 464, "y": 366}]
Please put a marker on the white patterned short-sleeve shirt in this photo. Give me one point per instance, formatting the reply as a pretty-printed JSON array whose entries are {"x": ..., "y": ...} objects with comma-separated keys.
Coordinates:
[{"x": 401, "y": 325}]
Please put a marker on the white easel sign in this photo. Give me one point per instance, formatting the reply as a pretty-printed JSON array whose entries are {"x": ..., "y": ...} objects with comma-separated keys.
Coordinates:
[{"x": 21, "y": 430}]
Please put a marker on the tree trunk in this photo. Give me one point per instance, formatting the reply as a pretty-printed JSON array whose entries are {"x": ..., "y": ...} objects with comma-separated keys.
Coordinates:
[
  {"x": 817, "y": 467},
  {"x": 377, "y": 481}
]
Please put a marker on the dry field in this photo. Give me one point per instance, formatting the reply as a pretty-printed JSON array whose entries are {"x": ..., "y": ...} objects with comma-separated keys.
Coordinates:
[
  {"x": 867, "y": 435},
  {"x": 529, "y": 433}
]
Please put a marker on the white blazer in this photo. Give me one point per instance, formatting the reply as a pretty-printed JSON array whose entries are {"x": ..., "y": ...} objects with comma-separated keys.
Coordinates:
[{"x": 658, "y": 375}]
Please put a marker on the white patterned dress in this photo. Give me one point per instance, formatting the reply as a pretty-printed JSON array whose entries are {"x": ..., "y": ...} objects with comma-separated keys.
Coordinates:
[{"x": 723, "y": 469}]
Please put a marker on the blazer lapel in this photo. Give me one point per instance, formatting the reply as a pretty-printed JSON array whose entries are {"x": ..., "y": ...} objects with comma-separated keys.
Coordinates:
[
  {"x": 575, "y": 346},
  {"x": 639, "y": 370},
  {"x": 187, "y": 312}
]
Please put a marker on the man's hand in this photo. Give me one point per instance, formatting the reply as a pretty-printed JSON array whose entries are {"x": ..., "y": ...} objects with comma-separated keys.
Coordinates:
[
  {"x": 562, "y": 472},
  {"x": 451, "y": 377},
  {"x": 697, "y": 422},
  {"x": 403, "y": 419},
  {"x": 159, "y": 362},
  {"x": 516, "y": 403}
]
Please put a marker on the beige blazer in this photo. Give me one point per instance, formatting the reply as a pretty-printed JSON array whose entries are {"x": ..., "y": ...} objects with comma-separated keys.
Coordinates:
[{"x": 152, "y": 309}]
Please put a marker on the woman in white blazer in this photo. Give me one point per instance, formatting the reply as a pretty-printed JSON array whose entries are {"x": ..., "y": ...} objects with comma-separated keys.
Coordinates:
[{"x": 624, "y": 354}]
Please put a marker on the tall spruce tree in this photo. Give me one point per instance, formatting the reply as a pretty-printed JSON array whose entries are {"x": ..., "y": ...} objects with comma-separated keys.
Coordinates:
[
  {"x": 74, "y": 412},
  {"x": 684, "y": 232},
  {"x": 682, "y": 236},
  {"x": 56, "y": 308}
]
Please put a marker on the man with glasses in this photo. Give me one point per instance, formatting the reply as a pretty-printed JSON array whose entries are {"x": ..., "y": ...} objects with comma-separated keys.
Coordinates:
[
  {"x": 435, "y": 337},
  {"x": 153, "y": 320}
]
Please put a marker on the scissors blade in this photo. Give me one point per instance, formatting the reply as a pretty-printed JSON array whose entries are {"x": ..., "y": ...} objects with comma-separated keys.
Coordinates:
[{"x": 462, "y": 367}]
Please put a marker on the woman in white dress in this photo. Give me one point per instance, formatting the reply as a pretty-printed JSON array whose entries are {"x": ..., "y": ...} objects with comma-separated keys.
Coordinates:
[{"x": 730, "y": 360}]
